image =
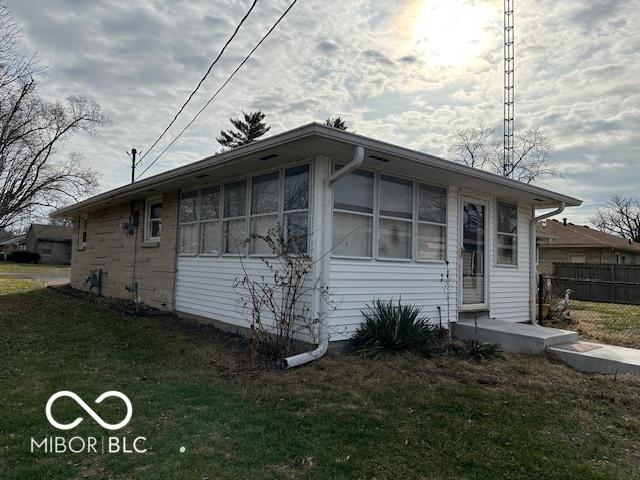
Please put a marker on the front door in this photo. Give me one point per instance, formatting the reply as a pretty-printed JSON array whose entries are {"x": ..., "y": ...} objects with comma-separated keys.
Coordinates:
[{"x": 473, "y": 254}]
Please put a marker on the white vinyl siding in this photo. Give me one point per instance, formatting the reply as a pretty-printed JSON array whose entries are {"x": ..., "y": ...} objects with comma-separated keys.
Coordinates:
[
  {"x": 509, "y": 287},
  {"x": 356, "y": 282},
  {"x": 205, "y": 283}
]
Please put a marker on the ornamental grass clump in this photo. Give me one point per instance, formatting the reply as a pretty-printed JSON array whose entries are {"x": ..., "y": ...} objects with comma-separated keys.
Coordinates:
[{"x": 390, "y": 327}]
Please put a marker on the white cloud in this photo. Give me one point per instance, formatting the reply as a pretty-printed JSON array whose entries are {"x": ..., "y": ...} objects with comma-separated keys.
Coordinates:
[{"x": 577, "y": 67}]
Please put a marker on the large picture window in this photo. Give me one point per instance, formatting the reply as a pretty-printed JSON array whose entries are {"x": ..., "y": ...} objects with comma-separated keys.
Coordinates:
[
  {"x": 353, "y": 214},
  {"x": 507, "y": 234},
  {"x": 397, "y": 217},
  {"x": 214, "y": 220}
]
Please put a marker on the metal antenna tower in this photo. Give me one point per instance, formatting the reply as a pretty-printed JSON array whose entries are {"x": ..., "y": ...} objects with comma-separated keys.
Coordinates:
[{"x": 509, "y": 67}]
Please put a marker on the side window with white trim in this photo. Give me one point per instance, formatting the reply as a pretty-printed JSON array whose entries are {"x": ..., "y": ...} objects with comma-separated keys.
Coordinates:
[
  {"x": 153, "y": 219},
  {"x": 82, "y": 232},
  {"x": 507, "y": 234}
]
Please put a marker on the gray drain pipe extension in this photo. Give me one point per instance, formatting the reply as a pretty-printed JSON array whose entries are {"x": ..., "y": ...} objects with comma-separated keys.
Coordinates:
[
  {"x": 532, "y": 256},
  {"x": 325, "y": 262}
]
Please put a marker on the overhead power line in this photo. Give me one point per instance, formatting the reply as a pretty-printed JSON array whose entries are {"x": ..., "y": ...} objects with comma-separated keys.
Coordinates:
[
  {"x": 204, "y": 77},
  {"x": 284, "y": 14}
]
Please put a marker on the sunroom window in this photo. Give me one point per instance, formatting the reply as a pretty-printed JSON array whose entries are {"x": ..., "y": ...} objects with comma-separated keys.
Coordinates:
[
  {"x": 432, "y": 222},
  {"x": 507, "y": 234},
  {"x": 395, "y": 217},
  {"x": 189, "y": 223},
  {"x": 235, "y": 198},
  {"x": 210, "y": 221},
  {"x": 353, "y": 214},
  {"x": 264, "y": 209},
  {"x": 214, "y": 220},
  {"x": 295, "y": 218}
]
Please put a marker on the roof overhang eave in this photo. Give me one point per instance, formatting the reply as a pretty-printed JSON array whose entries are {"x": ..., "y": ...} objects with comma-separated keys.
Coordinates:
[{"x": 547, "y": 198}]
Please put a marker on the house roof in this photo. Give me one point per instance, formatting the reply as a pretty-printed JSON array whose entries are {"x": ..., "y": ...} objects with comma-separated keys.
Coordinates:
[
  {"x": 557, "y": 234},
  {"x": 14, "y": 240},
  {"x": 314, "y": 138},
  {"x": 51, "y": 233}
]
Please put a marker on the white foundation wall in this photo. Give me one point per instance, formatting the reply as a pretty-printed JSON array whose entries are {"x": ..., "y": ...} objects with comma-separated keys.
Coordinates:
[{"x": 356, "y": 283}]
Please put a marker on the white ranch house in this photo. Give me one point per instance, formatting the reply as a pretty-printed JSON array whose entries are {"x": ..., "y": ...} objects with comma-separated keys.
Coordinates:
[{"x": 394, "y": 220}]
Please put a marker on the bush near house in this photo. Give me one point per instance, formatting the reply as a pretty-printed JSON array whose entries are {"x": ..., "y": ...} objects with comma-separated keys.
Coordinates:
[
  {"x": 24, "y": 257},
  {"x": 390, "y": 328}
]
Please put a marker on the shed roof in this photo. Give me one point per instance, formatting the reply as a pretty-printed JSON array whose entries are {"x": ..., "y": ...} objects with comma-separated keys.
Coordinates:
[
  {"x": 13, "y": 240},
  {"x": 51, "y": 233}
]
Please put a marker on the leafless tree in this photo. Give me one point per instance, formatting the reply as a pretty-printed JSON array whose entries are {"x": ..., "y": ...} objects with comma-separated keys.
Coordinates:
[
  {"x": 621, "y": 217},
  {"x": 279, "y": 295},
  {"x": 477, "y": 147},
  {"x": 32, "y": 173},
  {"x": 472, "y": 146}
]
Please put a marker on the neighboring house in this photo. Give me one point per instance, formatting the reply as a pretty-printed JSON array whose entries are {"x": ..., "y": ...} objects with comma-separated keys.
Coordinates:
[
  {"x": 11, "y": 244},
  {"x": 379, "y": 221},
  {"x": 52, "y": 242},
  {"x": 565, "y": 242}
]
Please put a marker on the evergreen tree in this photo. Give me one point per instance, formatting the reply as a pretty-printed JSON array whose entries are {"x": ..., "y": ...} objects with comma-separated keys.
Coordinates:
[
  {"x": 336, "y": 122},
  {"x": 246, "y": 131}
]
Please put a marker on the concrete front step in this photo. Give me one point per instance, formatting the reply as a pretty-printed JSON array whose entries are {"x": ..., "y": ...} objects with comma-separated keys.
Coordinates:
[
  {"x": 598, "y": 358},
  {"x": 513, "y": 337}
]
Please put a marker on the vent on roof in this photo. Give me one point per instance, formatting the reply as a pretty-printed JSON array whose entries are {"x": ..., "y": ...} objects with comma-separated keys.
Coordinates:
[
  {"x": 203, "y": 175},
  {"x": 382, "y": 159},
  {"x": 269, "y": 157}
]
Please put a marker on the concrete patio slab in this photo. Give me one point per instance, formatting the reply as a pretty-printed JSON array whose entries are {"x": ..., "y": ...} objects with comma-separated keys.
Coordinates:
[
  {"x": 598, "y": 358},
  {"x": 514, "y": 337}
]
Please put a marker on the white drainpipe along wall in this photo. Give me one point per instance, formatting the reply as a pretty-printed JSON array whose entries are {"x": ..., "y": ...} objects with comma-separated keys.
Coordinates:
[{"x": 321, "y": 245}]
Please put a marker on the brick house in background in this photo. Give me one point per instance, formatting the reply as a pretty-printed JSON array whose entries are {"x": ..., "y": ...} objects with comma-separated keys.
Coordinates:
[
  {"x": 565, "y": 242},
  {"x": 51, "y": 242}
]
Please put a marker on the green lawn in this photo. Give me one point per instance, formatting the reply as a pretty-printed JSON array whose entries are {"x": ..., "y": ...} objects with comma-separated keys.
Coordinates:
[
  {"x": 340, "y": 418},
  {"x": 10, "y": 267},
  {"x": 613, "y": 323}
]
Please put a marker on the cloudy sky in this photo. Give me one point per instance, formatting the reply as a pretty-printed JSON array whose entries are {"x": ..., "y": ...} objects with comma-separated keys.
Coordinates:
[{"x": 410, "y": 72}]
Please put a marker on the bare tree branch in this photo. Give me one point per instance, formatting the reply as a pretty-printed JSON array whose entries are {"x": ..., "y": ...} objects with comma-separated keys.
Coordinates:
[
  {"x": 33, "y": 174},
  {"x": 620, "y": 217},
  {"x": 477, "y": 147}
]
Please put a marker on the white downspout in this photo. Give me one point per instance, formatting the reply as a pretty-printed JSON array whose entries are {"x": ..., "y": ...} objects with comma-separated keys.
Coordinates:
[
  {"x": 321, "y": 307},
  {"x": 533, "y": 257}
]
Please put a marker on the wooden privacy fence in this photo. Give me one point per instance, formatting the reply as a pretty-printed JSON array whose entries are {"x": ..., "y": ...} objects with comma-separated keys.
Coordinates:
[{"x": 598, "y": 283}]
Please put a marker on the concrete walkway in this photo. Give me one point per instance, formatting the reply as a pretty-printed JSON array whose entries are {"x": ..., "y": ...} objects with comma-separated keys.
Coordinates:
[
  {"x": 514, "y": 337},
  {"x": 597, "y": 357},
  {"x": 563, "y": 344}
]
